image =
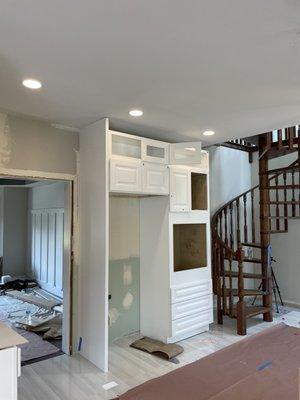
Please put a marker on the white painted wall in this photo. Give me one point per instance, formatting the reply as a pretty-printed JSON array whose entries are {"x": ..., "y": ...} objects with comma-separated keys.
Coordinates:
[
  {"x": 15, "y": 231},
  {"x": 94, "y": 250},
  {"x": 34, "y": 145},
  {"x": 230, "y": 175}
]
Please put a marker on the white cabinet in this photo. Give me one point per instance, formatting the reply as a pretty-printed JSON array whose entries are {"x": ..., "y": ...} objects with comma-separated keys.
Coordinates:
[
  {"x": 155, "y": 151},
  {"x": 180, "y": 189},
  {"x": 155, "y": 178},
  {"x": 185, "y": 153},
  {"x": 10, "y": 369},
  {"x": 125, "y": 175}
]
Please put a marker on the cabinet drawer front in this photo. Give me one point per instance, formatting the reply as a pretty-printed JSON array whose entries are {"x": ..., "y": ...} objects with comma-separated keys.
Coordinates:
[
  {"x": 155, "y": 178},
  {"x": 191, "y": 323},
  {"x": 190, "y": 307},
  {"x": 190, "y": 291},
  {"x": 125, "y": 176}
]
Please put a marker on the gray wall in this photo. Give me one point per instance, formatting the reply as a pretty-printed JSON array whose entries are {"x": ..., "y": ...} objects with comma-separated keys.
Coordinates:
[
  {"x": 35, "y": 145},
  {"x": 15, "y": 231}
]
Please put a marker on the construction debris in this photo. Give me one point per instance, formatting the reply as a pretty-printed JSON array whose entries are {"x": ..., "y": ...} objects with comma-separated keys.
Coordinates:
[{"x": 34, "y": 298}]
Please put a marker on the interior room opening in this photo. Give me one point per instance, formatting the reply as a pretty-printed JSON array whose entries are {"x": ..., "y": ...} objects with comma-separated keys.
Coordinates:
[{"x": 35, "y": 246}]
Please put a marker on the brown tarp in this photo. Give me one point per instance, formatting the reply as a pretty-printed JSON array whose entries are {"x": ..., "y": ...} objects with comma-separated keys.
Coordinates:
[{"x": 262, "y": 367}]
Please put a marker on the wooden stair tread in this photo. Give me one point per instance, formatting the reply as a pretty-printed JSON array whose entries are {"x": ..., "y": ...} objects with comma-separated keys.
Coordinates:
[
  {"x": 250, "y": 260},
  {"x": 247, "y": 275},
  {"x": 283, "y": 217},
  {"x": 283, "y": 187},
  {"x": 251, "y": 311},
  {"x": 247, "y": 292},
  {"x": 256, "y": 245}
]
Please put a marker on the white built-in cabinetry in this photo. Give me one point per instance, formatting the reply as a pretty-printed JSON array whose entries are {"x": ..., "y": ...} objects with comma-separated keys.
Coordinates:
[{"x": 175, "y": 265}]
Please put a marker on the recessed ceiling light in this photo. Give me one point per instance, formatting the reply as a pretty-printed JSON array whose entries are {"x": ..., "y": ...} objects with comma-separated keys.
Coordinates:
[
  {"x": 208, "y": 133},
  {"x": 136, "y": 113},
  {"x": 32, "y": 83}
]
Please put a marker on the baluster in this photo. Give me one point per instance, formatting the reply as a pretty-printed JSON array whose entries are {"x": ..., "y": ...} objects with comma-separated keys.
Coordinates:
[
  {"x": 218, "y": 286},
  {"x": 285, "y": 205},
  {"x": 291, "y": 137},
  {"x": 277, "y": 206},
  {"x": 230, "y": 287},
  {"x": 293, "y": 195},
  {"x": 226, "y": 228},
  {"x": 252, "y": 216},
  {"x": 238, "y": 231},
  {"x": 279, "y": 144},
  {"x": 245, "y": 219},
  {"x": 223, "y": 282},
  {"x": 221, "y": 225},
  {"x": 241, "y": 307},
  {"x": 231, "y": 226}
]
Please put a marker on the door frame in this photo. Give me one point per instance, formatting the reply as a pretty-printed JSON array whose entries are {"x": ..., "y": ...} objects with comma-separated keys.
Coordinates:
[{"x": 70, "y": 242}]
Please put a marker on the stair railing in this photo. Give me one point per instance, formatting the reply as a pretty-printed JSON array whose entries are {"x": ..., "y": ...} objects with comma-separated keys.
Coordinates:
[{"x": 234, "y": 225}]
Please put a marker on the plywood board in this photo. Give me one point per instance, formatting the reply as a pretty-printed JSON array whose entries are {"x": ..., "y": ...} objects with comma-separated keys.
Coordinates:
[{"x": 9, "y": 338}]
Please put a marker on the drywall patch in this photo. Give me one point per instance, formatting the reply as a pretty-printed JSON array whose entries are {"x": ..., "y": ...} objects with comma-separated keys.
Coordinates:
[
  {"x": 113, "y": 314},
  {"x": 127, "y": 275},
  {"x": 5, "y": 140},
  {"x": 127, "y": 301}
]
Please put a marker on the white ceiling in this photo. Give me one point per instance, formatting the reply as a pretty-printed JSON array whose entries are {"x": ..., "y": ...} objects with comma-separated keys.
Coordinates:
[{"x": 230, "y": 65}]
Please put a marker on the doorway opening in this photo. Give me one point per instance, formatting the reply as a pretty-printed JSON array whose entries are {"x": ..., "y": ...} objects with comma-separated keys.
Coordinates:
[{"x": 35, "y": 264}]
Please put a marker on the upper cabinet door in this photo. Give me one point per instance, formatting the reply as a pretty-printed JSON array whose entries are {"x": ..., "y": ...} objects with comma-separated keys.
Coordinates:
[
  {"x": 155, "y": 151},
  {"x": 125, "y": 175},
  {"x": 155, "y": 178},
  {"x": 123, "y": 145},
  {"x": 185, "y": 153},
  {"x": 180, "y": 189}
]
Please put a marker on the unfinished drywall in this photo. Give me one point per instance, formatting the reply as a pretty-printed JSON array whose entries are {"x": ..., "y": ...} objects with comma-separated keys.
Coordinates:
[
  {"x": 124, "y": 266},
  {"x": 28, "y": 144},
  {"x": 15, "y": 231}
]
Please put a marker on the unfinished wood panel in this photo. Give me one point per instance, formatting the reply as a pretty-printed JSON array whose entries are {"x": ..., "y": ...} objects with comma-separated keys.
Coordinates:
[
  {"x": 199, "y": 191},
  {"x": 189, "y": 246}
]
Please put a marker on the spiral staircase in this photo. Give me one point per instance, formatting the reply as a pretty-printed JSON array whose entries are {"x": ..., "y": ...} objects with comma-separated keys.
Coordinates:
[{"x": 242, "y": 230}]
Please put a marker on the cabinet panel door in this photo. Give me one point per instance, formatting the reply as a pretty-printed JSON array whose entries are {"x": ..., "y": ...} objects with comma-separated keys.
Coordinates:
[
  {"x": 125, "y": 176},
  {"x": 8, "y": 373},
  {"x": 155, "y": 151},
  {"x": 155, "y": 178},
  {"x": 180, "y": 189},
  {"x": 185, "y": 153}
]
